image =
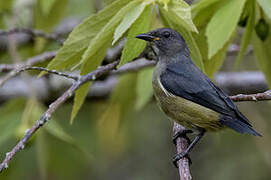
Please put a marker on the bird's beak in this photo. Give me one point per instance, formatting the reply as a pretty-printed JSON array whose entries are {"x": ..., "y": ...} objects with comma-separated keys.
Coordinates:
[{"x": 147, "y": 37}]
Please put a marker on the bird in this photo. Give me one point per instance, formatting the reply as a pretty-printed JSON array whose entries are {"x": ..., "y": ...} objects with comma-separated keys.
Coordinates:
[{"x": 186, "y": 95}]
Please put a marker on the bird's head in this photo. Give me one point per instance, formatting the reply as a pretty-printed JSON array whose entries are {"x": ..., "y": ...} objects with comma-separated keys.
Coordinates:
[{"x": 165, "y": 41}]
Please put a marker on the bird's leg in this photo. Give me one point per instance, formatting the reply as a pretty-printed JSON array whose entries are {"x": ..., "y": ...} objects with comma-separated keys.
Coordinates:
[
  {"x": 183, "y": 134},
  {"x": 190, "y": 147}
]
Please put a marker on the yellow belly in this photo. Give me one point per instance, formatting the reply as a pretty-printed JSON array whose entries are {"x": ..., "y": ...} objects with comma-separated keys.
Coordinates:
[{"x": 186, "y": 113}]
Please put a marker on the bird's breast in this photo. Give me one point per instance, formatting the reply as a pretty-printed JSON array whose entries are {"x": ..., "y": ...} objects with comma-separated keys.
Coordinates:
[{"x": 183, "y": 111}]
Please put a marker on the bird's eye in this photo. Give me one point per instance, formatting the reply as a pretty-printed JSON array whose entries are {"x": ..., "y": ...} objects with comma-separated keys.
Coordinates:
[{"x": 166, "y": 34}]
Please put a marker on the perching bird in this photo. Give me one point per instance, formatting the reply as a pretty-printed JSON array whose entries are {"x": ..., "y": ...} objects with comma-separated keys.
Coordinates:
[{"x": 186, "y": 94}]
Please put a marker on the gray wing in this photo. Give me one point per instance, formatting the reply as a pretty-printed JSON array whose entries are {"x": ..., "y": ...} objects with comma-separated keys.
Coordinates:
[{"x": 188, "y": 82}]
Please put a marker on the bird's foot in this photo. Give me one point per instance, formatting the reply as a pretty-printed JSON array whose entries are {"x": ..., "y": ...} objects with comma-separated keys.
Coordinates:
[
  {"x": 179, "y": 156},
  {"x": 183, "y": 134}
]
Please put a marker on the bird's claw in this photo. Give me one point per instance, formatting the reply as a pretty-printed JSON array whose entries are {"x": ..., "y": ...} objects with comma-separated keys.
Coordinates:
[
  {"x": 179, "y": 156},
  {"x": 182, "y": 134}
]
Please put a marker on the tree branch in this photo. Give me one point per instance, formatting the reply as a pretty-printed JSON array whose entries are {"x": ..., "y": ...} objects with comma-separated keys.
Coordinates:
[
  {"x": 33, "y": 33},
  {"x": 17, "y": 68},
  {"x": 252, "y": 97},
  {"x": 63, "y": 74},
  {"x": 134, "y": 66},
  {"x": 181, "y": 146},
  {"x": 249, "y": 82},
  {"x": 29, "y": 62},
  {"x": 47, "y": 115},
  {"x": 245, "y": 82}
]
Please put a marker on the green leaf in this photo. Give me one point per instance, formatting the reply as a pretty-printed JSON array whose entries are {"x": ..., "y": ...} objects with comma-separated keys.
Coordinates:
[
  {"x": 95, "y": 53},
  {"x": 78, "y": 41},
  {"x": 79, "y": 99},
  {"x": 262, "y": 29},
  {"x": 81, "y": 93},
  {"x": 164, "y": 3},
  {"x": 194, "y": 49},
  {"x": 213, "y": 64},
  {"x": 58, "y": 132},
  {"x": 203, "y": 10},
  {"x": 180, "y": 13},
  {"x": 133, "y": 46},
  {"x": 248, "y": 33},
  {"x": 104, "y": 36},
  {"x": 202, "y": 5},
  {"x": 266, "y": 5},
  {"x": 144, "y": 87},
  {"x": 262, "y": 51},
  {"x": 46, "y": 22},
  {"x": 46, "y": 6},
  {"x": 128, "y": 20},
  {"x": 223, "y": 24}
]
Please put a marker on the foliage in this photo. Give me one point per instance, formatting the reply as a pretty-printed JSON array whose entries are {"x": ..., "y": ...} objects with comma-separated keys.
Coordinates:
[
  {"x": 141, "y": 25},
  {"x": 208, "y": 26},
  {"x": 110, "y": 25},
  {"x": 219, "y": 28},
  {"x": 223, "y": 24}
]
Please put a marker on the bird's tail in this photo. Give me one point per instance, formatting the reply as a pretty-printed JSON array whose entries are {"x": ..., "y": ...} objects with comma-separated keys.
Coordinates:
[{"x": 238, "y": 126}]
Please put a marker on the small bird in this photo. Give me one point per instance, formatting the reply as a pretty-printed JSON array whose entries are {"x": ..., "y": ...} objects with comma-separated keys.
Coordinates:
[{"x": 186, "y": 95}]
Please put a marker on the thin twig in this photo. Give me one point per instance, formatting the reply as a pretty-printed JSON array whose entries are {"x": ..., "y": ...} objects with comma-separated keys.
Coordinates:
[
  {"x": 67, "y": 75},
  {"x": 47, "y": 115},
  {"x": 134, "y": 66},
  {"x": 252, "y": 97},
  {"x": 41, "y": 58},
  {"x": 6, "y": 67},
  {"x": 34, "y": 33},
  {"x": 29, "y": 62},
  {"x": 17, "y": 68},
  {"x": 249, "y": 82}
]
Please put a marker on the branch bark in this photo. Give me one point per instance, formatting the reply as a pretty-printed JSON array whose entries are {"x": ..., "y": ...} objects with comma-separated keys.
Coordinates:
[
  {"x": 33, "y": 33},
  {"x": 181, "y": 146},
  {"x": 29, "y": 62},
  {"x": 249, "y": 82},
  {"x": 252, "y": 97},
  {"x": 47, "y": 115}
]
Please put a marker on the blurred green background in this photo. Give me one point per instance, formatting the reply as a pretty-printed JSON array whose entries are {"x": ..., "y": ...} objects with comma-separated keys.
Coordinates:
[
  {"x": 140, "y": 149},
  {"x": 98, "y": 146}
]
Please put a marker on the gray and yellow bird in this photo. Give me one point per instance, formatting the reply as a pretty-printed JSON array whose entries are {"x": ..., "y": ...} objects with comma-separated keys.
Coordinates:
[{"x": 186, "y": 94}]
